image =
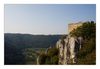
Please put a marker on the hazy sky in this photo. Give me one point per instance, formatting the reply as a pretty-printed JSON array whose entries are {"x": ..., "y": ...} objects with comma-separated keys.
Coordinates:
[{"x": 45, "y": 18}]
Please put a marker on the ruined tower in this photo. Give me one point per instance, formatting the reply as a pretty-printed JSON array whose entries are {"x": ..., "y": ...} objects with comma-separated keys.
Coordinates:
[{"x": 72, "y": 26}]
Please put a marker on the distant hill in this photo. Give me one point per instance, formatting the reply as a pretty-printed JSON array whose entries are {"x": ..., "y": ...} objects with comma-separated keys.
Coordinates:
[
  {"x": 16, "y": 43},
  {"x": 32, "y": 41}
]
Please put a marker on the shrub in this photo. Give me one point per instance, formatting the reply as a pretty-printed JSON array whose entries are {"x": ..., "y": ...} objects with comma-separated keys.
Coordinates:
[
  {"x": 87, "y": 54},
  {"x": 42, "y": 58}
]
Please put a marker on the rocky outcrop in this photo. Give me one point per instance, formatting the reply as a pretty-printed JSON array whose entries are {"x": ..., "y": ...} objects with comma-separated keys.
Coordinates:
[{"x": 68, "y": 49}]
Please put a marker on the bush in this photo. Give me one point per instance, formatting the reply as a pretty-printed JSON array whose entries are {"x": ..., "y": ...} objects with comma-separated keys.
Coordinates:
[
  {"x": 87, "y": 54},
  {"x": 88, "y": 47},
  {"x": 87, "y": 30},
  {"x": 48, "y": 60},
  {"x": 51, "y": 57},
  {"x": 42, "y": 58},
  {"x": 55, "y": 59},
  {"x": 53, "y": 51}
]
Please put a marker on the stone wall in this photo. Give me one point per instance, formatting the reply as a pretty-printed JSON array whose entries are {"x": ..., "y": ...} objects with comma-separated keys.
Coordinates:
[{"x": 72, "y": 26}]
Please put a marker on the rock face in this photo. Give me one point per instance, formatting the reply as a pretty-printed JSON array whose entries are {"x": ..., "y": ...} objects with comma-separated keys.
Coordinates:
[
  {"x": 38, "y": 60},
  {"x": 68, "y": 49}
]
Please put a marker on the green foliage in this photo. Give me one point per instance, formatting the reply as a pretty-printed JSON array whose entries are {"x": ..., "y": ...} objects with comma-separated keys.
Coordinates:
[
  {"x": 42, "y": 50},
  {"x": 87, "y": 54},
  {"x": 42, "y": 58},
  {"x": 16, "y": 43},
  {"x": 88, "y": 59},
  {"x": 55, "y": 59},
  {"x": 87, "y": 30},
  {"x": 51, "y": 57},
  {"x": 53, "y": 54},
  {"x": 52, "y": 51},
  {"x": 22, "y": 41},
  {"x": 48, "y": 60},
  {"x": 29, "y": 56}
]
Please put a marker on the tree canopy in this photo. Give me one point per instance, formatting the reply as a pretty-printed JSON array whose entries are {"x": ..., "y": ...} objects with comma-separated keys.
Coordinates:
[{"x": 87, "y": 54}]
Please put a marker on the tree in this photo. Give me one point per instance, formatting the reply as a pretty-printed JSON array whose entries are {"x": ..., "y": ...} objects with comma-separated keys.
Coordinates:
[
  {"x": 53, "y": 51},
  {"x": 42, "y": 58},
  {"x": 55, "y": 59},
  {"x": 87, "y": 30},
  {"x": 87, "y": 54},
  {"x": 51, "y": 57}
]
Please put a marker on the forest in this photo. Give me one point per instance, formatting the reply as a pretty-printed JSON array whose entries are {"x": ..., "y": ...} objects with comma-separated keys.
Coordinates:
[{"x": 22, "y": 48}]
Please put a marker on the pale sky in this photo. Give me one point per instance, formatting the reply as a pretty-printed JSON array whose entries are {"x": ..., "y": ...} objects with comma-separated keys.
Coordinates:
[{"x": 45, "y": 18}]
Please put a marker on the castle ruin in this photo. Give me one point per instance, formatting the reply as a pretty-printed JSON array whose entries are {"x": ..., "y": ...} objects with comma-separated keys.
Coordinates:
[
  {"x": 69, "y": 46},
  {"x": 72, "y": 26}
]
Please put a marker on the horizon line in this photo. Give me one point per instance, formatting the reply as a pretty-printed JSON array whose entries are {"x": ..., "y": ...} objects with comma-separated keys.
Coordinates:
[{"x": 35, "y": 34}]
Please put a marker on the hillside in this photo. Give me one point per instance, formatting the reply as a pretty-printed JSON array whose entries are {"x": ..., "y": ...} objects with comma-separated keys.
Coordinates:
[
  {"x": 32, "y": 41},
  {"x": 17, "y": 44},
  {"x": 77, "y": 48},
  {"x": 87, "y": 53}
]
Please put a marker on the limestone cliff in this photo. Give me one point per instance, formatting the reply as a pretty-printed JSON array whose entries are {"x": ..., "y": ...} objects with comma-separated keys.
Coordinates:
[{"x": 68, "y": 49}]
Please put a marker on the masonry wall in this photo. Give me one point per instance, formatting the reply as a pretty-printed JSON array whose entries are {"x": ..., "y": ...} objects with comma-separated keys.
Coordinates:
[{"x": 72, "y": 26}]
